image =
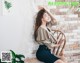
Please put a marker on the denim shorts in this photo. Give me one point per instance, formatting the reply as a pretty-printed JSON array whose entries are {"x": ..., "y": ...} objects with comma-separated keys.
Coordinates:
[{"x": 43, "y": 54}]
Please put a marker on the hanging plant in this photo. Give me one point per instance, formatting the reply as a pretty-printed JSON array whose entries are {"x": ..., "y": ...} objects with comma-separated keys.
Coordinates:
[{"x": 7, "y": 5}]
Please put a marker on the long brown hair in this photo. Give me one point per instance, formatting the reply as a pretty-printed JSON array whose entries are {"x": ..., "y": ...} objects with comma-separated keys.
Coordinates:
[{"x": 38, "y": 21}]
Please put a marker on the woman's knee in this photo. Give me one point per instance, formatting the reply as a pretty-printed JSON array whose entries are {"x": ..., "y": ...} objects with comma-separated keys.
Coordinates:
[{"x": 59, "y": 61}]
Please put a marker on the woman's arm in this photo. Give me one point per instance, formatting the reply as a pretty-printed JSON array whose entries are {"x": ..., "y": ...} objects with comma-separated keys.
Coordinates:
[
  {"x": 50, "y": 14},
  {"x": 49, "y": 44}
]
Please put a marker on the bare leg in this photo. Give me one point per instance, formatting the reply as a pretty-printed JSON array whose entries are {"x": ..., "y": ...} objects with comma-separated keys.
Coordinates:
[{"x": 59, "y": 61}]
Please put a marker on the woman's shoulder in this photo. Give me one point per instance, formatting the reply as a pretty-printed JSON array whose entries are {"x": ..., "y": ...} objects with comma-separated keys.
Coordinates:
[
  {"x": 42, "y": 34},
  {"x": 41, "y": 29}
]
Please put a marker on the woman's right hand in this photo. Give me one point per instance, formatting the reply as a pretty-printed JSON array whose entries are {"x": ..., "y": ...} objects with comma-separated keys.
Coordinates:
[
  {"x": 40, "y": 7},
  {"x": 59, "y": 45},
  {"x": 55, "y": 45}
]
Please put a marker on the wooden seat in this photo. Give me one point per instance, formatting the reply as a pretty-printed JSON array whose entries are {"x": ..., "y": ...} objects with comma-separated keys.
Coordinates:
[{"x": 59, "y": 37}]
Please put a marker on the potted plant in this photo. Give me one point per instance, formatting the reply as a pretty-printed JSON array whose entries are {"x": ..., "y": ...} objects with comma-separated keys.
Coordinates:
[{"x": 17, "y": 58}]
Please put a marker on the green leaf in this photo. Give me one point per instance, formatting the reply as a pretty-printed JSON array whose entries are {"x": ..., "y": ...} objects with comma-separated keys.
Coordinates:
[
  {"x": 13, "y": 54},
  {"x": 19, "y": 56}
]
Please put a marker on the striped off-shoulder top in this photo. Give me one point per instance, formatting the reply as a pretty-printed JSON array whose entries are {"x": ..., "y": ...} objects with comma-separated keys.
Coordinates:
[{"x": 44, "y": 36}]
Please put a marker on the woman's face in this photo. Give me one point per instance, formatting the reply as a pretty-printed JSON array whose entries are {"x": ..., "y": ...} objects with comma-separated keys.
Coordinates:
[{"x": 46, "y": 17}]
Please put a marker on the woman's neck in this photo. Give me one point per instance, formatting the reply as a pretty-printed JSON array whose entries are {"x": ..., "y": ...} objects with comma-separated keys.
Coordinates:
[{"x": 43, "y": 24}]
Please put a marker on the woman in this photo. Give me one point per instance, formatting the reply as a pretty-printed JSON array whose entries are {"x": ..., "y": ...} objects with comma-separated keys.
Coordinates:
[{"x": 42, "y": 35}]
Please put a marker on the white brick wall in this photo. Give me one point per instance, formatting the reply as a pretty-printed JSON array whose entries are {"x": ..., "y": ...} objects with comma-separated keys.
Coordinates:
[{"x": 70, "y": 25}]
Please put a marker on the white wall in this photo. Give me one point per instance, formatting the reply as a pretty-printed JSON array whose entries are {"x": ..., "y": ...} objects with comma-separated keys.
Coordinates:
[{"x": 16, "y": 29}]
